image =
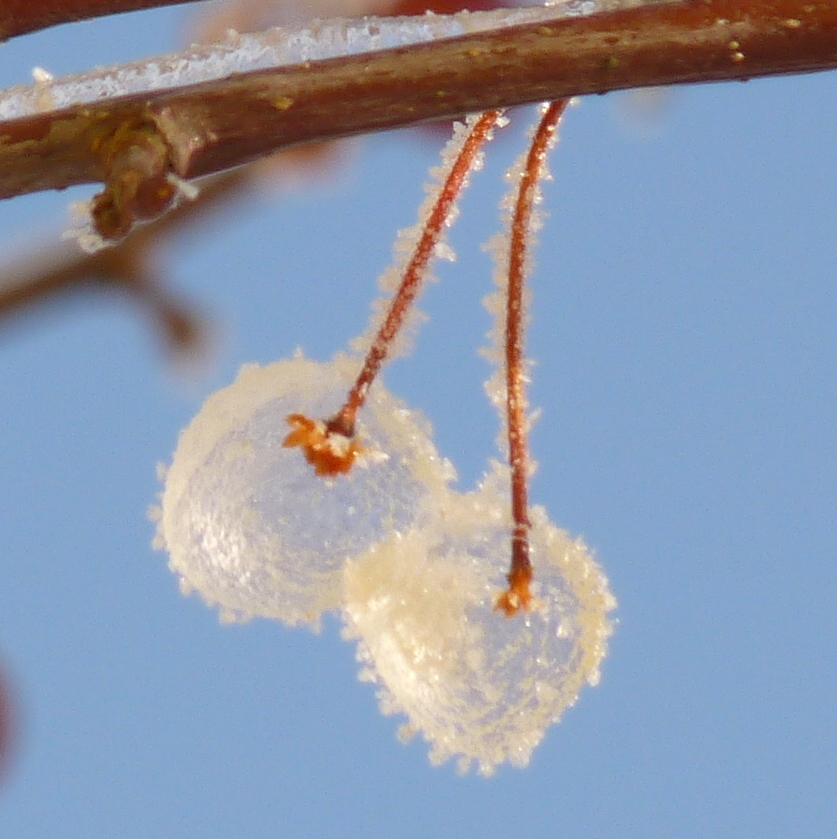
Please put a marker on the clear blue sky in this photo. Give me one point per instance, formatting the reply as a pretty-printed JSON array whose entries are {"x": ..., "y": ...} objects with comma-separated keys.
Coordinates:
[{"x": 684, "y": 330}]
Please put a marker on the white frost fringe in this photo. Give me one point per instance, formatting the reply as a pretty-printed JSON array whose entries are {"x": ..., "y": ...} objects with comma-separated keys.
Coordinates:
[{"x": 276, "y": 47}]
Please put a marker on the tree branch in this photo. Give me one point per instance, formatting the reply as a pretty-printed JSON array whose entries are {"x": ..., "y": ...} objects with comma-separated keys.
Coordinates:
[
  {"x": 19, "y": 17},
  {"x": 216, "y": 125}
]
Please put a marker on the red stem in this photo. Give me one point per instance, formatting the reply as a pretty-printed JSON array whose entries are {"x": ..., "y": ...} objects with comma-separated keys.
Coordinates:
[
  {"x": 520, "y": 573},
  {"x": 415, "y": 272}
]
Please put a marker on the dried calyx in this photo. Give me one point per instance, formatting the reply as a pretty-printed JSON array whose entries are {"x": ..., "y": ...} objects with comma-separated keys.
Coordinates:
[{"x": 326, "y": 445}]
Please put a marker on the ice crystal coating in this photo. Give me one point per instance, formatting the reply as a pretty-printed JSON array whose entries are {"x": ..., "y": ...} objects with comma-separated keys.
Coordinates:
[
  {"x": 477, "y": 685},
  {"x": 277, "y": 47},
  {"x": 247, "y": 522},
  {"x": 499, "y": 246},
  {"x": 407, "y": 241}
]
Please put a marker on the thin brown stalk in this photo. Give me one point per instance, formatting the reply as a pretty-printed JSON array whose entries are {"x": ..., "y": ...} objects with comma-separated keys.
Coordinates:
[
  {"x": 416, "y": 271},
  {"x": 330, "y": 446},
  {"x": 518, "y": 594}
]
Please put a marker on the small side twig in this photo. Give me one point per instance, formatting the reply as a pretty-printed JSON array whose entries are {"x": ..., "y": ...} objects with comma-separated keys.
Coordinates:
[{"x": 127, "y": 268}]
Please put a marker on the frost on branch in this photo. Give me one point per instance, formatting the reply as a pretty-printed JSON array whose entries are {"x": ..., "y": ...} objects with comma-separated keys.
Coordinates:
[
  {"x": 276, "y": 47},
  {"x": 247, "y": 522},
  {"x": 477, "y": 686}
]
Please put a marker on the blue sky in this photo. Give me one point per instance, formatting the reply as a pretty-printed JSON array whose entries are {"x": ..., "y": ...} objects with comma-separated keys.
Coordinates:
[{"x": 683, "y": 329}]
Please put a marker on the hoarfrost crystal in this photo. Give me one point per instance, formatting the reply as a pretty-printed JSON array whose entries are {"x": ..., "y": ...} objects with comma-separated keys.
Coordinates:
[
  {"x": 277, "y": 47},
  {"x": 248, "y": 524}
]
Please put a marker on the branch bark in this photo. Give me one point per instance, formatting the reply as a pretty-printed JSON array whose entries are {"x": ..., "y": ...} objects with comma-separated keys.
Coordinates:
[
  {"x": 217, "y": 125},
  {"x": 20, "y": 17}
]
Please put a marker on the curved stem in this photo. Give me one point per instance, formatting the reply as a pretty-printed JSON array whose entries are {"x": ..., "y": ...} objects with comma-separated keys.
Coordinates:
[
  {"x": 519, "y": 577},
  {"x": 416, "y": 270},
  {"x": 331, "y": 446}
]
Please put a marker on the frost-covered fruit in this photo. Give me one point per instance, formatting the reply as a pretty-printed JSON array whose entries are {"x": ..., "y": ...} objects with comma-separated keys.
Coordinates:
[
  {"x": 250, "y": 526},
  {"x": 477, "y": 685}
]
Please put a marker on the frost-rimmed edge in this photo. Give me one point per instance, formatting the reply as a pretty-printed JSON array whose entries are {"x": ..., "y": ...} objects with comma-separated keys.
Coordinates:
[
  {"x": 585, "y": 580},
  {"x": 256, "y": 385}
]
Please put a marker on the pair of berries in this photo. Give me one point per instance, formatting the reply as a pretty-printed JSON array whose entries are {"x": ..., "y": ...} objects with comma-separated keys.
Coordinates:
[{"x": 363, "y": 520}]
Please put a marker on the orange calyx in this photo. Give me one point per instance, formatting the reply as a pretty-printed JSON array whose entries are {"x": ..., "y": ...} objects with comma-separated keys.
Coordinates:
[
  {"x": 329, "y": 451},
  {"x": 518, "y": 595}
]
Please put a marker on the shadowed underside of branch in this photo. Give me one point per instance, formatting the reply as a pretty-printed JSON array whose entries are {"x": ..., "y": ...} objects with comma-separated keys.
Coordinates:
[
  {"x": 19, "y": 17},
  {"x": 213, "y": 126}
]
